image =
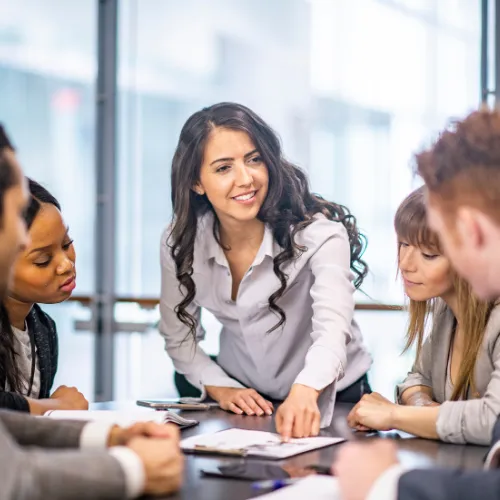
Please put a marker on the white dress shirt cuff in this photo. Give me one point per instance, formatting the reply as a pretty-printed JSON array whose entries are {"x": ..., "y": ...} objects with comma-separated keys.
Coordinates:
[
  {"x": 386, "y": 486},
  {"x": 321, "y": 369},
  {"x": 214, "y": 375},
  {"x": 493, "y": 457},
  {"x": 133, "y": 469},
  {"x": 95, "y": 435}
]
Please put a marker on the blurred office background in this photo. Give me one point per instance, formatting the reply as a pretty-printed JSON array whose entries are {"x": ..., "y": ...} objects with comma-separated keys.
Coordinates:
[{"x": 354, "y": 88}]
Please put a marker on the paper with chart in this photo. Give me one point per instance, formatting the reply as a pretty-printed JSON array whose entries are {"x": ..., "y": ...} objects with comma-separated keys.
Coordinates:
[{"x": 254, "y": 444}]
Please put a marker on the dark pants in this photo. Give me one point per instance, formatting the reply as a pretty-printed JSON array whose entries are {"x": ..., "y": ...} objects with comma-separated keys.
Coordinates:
[
  {"x": 355, "y": 391},
  {"x": 351, "y": 394}
]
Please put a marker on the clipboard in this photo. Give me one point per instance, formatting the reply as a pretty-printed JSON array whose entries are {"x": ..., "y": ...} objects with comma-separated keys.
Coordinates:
[{"x": 253, "y": 444}]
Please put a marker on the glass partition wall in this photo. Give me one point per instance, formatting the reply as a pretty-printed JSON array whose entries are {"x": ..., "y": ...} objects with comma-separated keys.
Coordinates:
[{"x": 352, "y": 88}]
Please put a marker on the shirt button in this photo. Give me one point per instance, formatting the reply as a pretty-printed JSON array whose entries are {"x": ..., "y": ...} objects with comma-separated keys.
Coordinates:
[{"x": 229, "y": 302}]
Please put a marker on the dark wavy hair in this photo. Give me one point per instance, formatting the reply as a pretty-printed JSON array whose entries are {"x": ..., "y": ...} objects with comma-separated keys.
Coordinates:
[
  {"x": 289, "y": 206},
  {"x": 9, "y": 370}
]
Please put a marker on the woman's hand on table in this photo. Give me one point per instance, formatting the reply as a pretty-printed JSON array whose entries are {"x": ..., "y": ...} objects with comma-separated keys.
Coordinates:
[
  {"x": 240, "y": 401},
  {"x": 373, "y": 411},
  {"x": 299, "y": 415},
  {"x": 69, "y": 398},
  {"x": 63, "y": 398}
]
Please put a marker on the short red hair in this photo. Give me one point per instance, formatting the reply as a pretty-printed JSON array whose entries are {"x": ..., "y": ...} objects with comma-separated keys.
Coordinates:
[{"x": 463, "y": 165}]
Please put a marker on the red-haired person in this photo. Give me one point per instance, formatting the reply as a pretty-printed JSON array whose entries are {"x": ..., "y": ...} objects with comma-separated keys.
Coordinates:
[{"x": 461, "y": 172}]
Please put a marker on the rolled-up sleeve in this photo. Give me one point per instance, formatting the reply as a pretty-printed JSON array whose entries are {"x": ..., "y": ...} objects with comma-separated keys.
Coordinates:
[
  {"x": 472, "y": 421},
  {"x": 420, "y": 373},
  {"x": 187, "y": 356},
  {"x": 333, "y": 306}
]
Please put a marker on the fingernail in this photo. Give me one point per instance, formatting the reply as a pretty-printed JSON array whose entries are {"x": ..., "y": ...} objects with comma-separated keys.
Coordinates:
[
  {"x": 251, "y": 413},
  {"x": 260, "y": 413}
]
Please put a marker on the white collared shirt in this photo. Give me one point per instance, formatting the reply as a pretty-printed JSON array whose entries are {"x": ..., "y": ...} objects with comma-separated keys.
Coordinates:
[
  {"x": 22, "y": 346},
  {"x": 320, "y": 342}
]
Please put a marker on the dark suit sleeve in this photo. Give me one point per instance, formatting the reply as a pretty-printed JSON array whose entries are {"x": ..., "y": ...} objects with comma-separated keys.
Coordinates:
[
  {"x": 47, "y": 342},
  {"x": 54, "y": 351},
  {"x": 442, "y": 484},
  {"x": 13, "y": 401}
]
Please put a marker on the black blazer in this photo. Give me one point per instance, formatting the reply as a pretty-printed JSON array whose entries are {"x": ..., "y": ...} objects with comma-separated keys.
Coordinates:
[
  {"x": 43, "y": 328},
  {"x": 442, "y": 484}
]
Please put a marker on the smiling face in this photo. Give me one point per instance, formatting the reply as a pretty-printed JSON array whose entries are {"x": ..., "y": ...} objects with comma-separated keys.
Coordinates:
[
  {"x": 426, "y": 273},
  {"x": 233, "y": 176},
  {"x": 45, "y": 272}
]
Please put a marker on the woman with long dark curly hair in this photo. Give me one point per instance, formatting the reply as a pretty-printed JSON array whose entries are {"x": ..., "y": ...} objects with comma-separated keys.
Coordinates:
[{"x": 276, "y": 265}]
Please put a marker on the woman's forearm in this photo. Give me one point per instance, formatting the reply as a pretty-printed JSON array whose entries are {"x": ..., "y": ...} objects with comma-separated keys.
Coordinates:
[
  {"x": 418, "y": 396},
  {"x": 420, "y": 421}
]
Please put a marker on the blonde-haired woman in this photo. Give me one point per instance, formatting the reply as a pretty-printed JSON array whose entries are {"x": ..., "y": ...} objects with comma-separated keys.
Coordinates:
[{"x": 453, "y": 390}]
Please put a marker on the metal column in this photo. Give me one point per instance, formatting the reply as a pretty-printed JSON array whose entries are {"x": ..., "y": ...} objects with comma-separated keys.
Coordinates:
[
  {"x": 103, "y": 304},
  {"x": 484, "y": 50},
  {"x": 497, "y": 53}
]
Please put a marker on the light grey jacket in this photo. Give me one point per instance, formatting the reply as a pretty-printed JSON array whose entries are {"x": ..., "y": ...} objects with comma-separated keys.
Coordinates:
[
  {"x": 472, "y": 420},
  {"x": 29, "y": 472}
]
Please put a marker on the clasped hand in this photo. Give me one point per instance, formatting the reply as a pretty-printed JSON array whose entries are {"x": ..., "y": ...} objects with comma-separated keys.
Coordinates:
[{"x": 373, "y": 411}]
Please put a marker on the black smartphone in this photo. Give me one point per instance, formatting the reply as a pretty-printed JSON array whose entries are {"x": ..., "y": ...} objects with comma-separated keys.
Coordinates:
[
  {"x": 257, "y": 471},
  {"x": 173, "y": 404}
]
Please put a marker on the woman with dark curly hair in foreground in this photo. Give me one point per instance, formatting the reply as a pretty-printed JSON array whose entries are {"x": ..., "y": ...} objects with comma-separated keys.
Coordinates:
[{"x": 276, "y": 265}]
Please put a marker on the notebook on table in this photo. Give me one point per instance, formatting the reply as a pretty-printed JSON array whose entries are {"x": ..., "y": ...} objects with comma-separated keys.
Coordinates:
[
  {"x": 258, "y": 444},
  {"x": 123, "y": 418}
]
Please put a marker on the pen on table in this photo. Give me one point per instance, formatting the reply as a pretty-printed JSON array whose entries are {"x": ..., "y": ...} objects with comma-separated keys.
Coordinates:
[{"x": 273, "y": 484}]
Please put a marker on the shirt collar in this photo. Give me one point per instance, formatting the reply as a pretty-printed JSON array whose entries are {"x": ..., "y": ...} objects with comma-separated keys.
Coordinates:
[
  {"x": 214, "y": 251},
  {"x": 267, "y": 247}
]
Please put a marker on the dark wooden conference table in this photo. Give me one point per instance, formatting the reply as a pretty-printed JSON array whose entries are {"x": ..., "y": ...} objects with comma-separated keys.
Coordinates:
[{"x": 413, "y": 452}]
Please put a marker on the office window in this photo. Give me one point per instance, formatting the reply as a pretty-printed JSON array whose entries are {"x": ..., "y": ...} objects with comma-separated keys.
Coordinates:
[
  {"x": 353, "y": 88},
  {"x": 47, "y": 102}
]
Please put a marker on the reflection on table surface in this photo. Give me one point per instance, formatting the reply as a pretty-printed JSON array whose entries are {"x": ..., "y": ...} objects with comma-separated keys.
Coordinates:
[{"x": 414, "y": 452}]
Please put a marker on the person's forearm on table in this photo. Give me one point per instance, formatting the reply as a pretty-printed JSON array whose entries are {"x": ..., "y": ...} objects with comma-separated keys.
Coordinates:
[{"x": 420, "y": 421}]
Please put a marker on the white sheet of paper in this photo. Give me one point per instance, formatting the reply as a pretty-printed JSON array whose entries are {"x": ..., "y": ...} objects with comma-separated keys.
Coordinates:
[
  {"x": 257, "y": 443},
  {"x": 322, "y": 488},
  {"x": 123, "y": 418}
]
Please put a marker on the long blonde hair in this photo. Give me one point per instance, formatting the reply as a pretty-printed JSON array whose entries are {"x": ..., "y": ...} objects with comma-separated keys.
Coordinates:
[{"x": 411, "y": 226}]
